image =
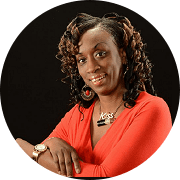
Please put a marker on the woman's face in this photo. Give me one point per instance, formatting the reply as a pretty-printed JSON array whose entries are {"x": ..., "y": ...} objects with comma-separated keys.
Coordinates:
[{"x": 99, "y": 61}]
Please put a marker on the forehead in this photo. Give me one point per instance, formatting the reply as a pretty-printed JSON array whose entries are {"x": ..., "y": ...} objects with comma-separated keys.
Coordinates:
[{"x": 94, "y": 36}]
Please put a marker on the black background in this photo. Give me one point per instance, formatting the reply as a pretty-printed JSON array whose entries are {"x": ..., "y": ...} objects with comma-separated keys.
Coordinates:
[{"x": 34, "y": 100}]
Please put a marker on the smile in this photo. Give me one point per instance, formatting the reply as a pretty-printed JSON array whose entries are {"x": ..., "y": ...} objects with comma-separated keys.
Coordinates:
[{"x": 97, "y": 78}]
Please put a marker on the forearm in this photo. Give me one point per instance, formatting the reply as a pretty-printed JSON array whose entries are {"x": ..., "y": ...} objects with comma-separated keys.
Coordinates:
[
  {"x": 27, "y": 147},
  {"x": 45, "y": 159}
]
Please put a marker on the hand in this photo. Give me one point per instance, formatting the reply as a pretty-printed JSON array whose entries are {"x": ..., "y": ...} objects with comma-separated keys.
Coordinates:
[{"x": 63, "y": 155}]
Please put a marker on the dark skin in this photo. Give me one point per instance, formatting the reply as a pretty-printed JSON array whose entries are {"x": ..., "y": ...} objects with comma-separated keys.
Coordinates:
[
  {"x": 99, "y": 56},
  {"x": 100, "y": 64},
  {"x": 98, "y": 132},
  {"x": 55, "y": 159}
]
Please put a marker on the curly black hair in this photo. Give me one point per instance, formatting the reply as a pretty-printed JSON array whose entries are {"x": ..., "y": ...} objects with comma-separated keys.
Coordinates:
[{"x": 138, "y": 68}]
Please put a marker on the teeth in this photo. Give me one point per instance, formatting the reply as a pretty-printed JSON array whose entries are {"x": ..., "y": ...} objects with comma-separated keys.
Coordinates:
[{"x": 97, "y": 79}]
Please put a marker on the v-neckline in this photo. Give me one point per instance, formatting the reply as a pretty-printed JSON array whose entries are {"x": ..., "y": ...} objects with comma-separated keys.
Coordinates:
[
  {"x": 90, "y": 119},
  {"x": 89, "y": 129}
]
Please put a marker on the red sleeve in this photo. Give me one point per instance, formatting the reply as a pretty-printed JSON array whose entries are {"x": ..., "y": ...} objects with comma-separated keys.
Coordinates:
[
  {"x": 144, "y": 136},
  {"x": 61, "y": 130}
]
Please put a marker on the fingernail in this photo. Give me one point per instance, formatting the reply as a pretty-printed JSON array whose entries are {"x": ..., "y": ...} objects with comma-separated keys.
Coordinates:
[{"x": 77, "y": 171}]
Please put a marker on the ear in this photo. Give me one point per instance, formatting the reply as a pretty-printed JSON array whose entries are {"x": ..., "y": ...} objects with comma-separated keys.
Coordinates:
[{"x": 122, "y": 54}]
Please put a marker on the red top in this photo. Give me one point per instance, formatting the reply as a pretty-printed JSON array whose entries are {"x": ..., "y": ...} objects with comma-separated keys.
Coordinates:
[{"x": 132, "y": 138}]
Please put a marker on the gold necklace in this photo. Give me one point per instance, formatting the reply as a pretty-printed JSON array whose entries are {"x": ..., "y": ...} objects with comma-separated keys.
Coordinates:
[{"x": 107, "y": 118}]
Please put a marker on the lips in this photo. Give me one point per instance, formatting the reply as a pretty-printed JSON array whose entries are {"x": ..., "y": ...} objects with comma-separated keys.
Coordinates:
[{"x": 97, "y": 78}]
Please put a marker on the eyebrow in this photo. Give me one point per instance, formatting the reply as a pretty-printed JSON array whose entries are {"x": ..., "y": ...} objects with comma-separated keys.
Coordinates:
[{"x": 96, "y": 45}]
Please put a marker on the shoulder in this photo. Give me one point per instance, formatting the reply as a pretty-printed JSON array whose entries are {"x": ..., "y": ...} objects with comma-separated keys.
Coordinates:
[
  {"x": 77, "y": 113},
  {"x": 146, "y": 99},
  {"x": 73, "y": 111},
  {"x": 152, "y": 105}
]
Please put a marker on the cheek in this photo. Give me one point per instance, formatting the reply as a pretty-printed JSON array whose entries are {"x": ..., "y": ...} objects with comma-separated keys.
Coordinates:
[
  {"x": 82, "y": 73},
  {"x": 118, "y": 69},
  {"x": 115, "y": 63},
  {"x": 80, "y": 70}
]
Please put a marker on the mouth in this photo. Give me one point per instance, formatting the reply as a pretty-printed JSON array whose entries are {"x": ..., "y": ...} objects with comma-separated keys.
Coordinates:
[{"x": 97, "y": 79}]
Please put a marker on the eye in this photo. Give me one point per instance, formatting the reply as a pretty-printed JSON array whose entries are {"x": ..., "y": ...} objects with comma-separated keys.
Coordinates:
[
  {"x": 101, "y": 54},
  {"x": 81, "y": 60}
]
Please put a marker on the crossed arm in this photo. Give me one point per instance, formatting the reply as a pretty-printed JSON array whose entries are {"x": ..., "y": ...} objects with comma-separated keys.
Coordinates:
[
  {"x": 143, "y": 137},
  {"x": 58, "y": 161}
]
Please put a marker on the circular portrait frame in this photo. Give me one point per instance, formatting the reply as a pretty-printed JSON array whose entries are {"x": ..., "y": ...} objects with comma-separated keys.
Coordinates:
[{"x": 14, "y": 152}]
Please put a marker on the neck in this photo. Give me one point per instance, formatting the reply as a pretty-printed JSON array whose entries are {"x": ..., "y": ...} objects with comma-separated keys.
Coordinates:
[{"x": 109, "y": 103}]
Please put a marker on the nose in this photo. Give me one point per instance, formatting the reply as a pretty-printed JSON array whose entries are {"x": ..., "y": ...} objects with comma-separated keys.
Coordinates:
[{"x": 92, "y": 65}]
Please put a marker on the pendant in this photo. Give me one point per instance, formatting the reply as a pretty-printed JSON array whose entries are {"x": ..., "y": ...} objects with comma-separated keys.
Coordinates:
[
  {"x": 102, "y": 122},
  {"x": 105, "y": 115},
  {"x": 105, "y": 119}
]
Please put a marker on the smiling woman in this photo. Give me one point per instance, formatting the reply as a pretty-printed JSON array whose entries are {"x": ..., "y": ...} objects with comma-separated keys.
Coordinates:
[
  {"x": 102, "y": 66},
  {"x": 117, "y": 122}
]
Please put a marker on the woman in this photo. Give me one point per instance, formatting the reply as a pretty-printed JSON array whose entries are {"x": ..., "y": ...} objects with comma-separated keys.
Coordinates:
[{"x": 117, "y": 122}]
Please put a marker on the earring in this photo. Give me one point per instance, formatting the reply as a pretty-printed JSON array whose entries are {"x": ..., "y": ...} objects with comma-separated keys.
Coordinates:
[
  {"x": 87, "y": 93},
  {"x": 126, "y": 71}
]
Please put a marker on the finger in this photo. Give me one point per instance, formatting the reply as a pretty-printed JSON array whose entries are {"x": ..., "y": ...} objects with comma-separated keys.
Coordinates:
[
  {"x": 56, "y": 161},
  {"x": 75, "y": 159},
  {"x": 68, "y": 164},
  {"x": 62, "y": 163}
]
